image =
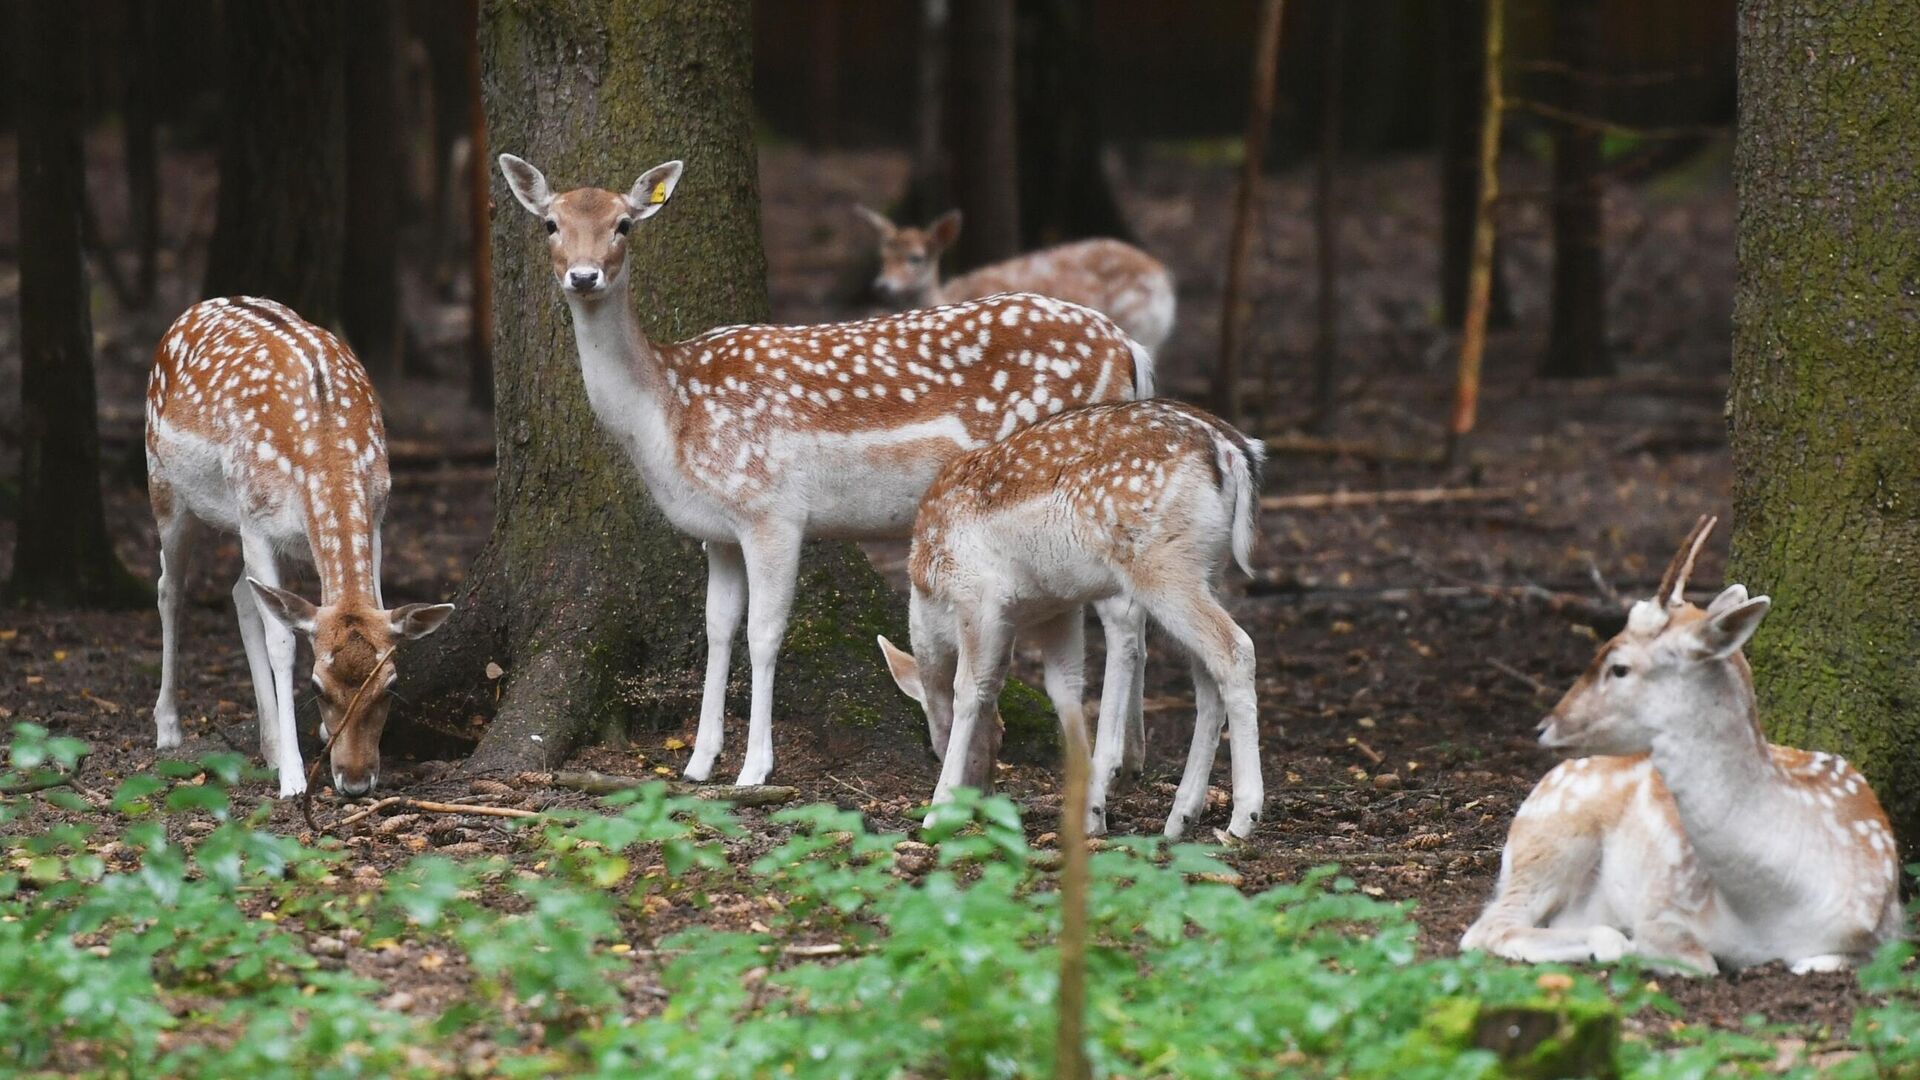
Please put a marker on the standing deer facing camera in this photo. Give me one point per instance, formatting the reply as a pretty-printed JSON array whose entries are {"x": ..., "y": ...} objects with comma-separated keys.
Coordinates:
[
  {"x": 752, "y": 438},
  {"x": 262, "y": 424},
  {"x": 1119, "y": 280},
  {"x": 1692, "y": 840},
  {"x": 1146, "y": 500}
]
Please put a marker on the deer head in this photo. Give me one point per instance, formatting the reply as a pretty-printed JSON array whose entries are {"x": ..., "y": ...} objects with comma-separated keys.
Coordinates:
[
  {"x": 1673, "y": 669},
  {"x": 587, "y": 228},
  {"x": 348, "y": 642},
  {"x": 910, "y": 258}
]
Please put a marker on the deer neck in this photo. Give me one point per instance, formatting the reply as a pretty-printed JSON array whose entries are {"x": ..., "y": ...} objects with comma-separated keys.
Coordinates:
[
  {"x": 626, "y": 381},
  {"x": 1737, "y": 807},
  {"x": 340, "y": 529}
]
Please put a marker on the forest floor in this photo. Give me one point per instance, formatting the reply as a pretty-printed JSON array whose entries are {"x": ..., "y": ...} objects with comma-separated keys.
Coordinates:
[{"x": 1405, "y": 652}]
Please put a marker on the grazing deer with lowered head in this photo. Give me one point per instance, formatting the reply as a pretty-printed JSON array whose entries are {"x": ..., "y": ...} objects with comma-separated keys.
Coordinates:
[
  {"x": 1145, "y": 500},
  {"x": 1131, "y": 287},
  {"x": 260, "y": 423},
  {"x": 752, "y": 438},
  {"x": 1691, "y": 840}
]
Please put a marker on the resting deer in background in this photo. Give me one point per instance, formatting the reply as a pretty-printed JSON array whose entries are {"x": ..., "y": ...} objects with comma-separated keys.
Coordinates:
[
  {"x": 752, "y": 438},
  {"x": 260, "y": 423},
  {"x": 1145, "y": 500},
  {"x": 1126, "y": 284},
  {"x": 1694, "y": 841}
]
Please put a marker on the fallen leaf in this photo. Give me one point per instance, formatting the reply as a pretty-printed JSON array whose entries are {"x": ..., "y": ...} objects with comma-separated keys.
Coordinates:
[
  {"x": 675, "y": 743},
  {"x": 494, "y": 670},
  {"x": 59, "y": 655}
]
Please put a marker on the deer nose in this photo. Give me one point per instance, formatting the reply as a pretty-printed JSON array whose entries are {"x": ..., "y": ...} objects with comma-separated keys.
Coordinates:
[
  {"x": 354, "y": 786},
  {"x": 583, "y": 280}
]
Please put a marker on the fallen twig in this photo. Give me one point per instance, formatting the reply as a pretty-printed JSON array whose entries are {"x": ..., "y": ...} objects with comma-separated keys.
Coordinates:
[
  {"x": 599, "y": 783},
  {"x": 1507, "y": 669},
  {"x": 1334, "y": 500},
  {"x": 28, "y": 787},
  {"x": 431, "y": 808},
  {"x": 1310, "y": 446}
]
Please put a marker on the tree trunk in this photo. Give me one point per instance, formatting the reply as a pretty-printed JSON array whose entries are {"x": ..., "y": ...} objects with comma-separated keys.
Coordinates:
[
  {"x": 1577, "y": 339},
  {"x": 1460, "y": 30},
  {"x": 63, "y": 556},
  {"x": 1234, "y": 312},
  {"x": 585, "y": 595},
  {"x": 376, "y": 183},
  {"x": 1326, "y": 227},
  {"x": 1825, "y": 449},
  {"x": 139, "y": 127},
  {"x": 1064, "y": 193},
  {"x": 981, "y": 138},
  {"x": 279, "y": 225},
  {"x": 479, "y": 205}
]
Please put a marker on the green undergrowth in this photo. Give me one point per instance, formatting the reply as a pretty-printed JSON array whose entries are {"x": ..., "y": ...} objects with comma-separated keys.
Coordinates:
[{"x": 158, "y": 930}]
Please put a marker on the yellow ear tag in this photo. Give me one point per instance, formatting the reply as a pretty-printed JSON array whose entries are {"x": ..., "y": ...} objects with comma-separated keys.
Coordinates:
[{"x": 659, "y": 193}]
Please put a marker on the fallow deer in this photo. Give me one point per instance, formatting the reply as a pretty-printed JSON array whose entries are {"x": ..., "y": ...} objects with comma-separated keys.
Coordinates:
[
  {"x": 752, "y": 438},
  {"x": 1131, "y": 287},
  {"x": 260, "y": 423},
  {"x": 1145, "y": 500},
  {"x": 1689, "y": 839}
]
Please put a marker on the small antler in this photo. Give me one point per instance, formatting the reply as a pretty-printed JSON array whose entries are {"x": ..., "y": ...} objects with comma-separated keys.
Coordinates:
[{"x": 1673, "y": 584}]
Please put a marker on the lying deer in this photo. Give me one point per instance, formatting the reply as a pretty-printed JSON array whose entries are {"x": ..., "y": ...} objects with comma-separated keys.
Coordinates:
[
  {"x": 262, "y": 424},
  {"x": 1693, "y": 841},
  {"x": 1145, "y": 500},
  {"x": 752, "y": 438},
  {"x": 1130, "y": 286}
]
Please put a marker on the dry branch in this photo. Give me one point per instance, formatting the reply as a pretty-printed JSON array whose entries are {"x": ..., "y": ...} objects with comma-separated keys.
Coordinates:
[
  {"x": 1473, "y": 334},
  {"x": 1233, "y": 316},
  {"x": 599, "y": 783},
  {"x": 1335, "y": 500},
  {"x": 432, "y": 808}
]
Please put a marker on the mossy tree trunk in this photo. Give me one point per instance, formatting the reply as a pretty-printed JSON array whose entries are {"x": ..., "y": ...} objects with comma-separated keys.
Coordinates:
[
  {"x": 585, "y": 595},
  {"x": 1826, "y": 451}
]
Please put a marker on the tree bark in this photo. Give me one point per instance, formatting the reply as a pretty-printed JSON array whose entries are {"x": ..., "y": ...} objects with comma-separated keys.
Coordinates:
[
  {"x": 63, "y": 556},
  {"x": 1460, "y": 31},
  {"x": 139, "y": 127},
  {"x": 981, "y": 136},
  {"x": 1064, "y": 193},
  {"x": 1577, "y": 338},
  {"x": 1480, "y": 269},
  {"x": 376, "y": 183},
  {"x": 1234, "y": 313},
  {"x": 585, "y": 595},
  {"x": 479, "y": 206},
  {"x": 1824, "y": 443},
  {"x": 279, "y": 224}
]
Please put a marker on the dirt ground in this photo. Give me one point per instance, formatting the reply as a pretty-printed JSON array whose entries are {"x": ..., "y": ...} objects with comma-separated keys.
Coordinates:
[{"x": 1398, "y": 695}]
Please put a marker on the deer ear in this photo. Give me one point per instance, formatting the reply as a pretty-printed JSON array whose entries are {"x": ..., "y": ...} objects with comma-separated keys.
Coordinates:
[
  {"x": 1732, "y": 596},
  {"x": 654, "y": 188},
  {"x": 945, "y": 229},
  {"x": 905, "y": 670},
  {"x": 415, "y": 621},
  {"x": 879, "y": 221},
  {"x": 528, "y": 184},
  {"x": 1720, "y": 636},
  {"x": 292, "y": 610}
]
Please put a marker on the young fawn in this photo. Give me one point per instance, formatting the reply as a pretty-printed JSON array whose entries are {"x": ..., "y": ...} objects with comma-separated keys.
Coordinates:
[
  {"x": 1692, "y": 840},
  {"x": 262, "y": 424},
  {"x": 754, "y": 437},
  {"x": 1130, "y": 286},
  {"x": 1145, "y": 500}
]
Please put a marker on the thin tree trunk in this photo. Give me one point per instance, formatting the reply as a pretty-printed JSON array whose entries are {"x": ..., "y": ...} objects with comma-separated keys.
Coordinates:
[
  {"x": 1473, "y": 334},
  {"x": 1064, "y": 192},
  {"x": 584, "y": 592},
  {"x": 1460, "y": 34},
  {"x": 1234, "y": 311},
  {"x": 63, "y": 556},
  {"x": 138, "y": 132},
  {"x": 1070, "y": 1050},
  {"x": 1825, "y": 448},
  {"x": 1326, "y": 226},
  {"x": 281, "y": 211},
  {"x": 1577, "y": 339},
  {"x": 981, "y": 136},
  {"x": 479, "y": 219},
  {"x": 376, "y": 183}
]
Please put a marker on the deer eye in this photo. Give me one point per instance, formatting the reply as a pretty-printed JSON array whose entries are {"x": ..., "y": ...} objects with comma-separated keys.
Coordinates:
[
  {"x": 1618, "y": 671},
  {"x": 623, "y": 226},
  {"x": 552, "y": 226}
]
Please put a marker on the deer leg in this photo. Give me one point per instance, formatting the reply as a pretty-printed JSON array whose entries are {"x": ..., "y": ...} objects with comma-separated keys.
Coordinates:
[
  {"x": 726, "y": 598},
  {"x": 1209, "y": 714},
  {"x": 1198, "y": 622},
  {"x": 378, "y": 601},
  {"x": 981, "y": 670},
  {"x": 1538, "y": 873},
  {"x": 772, "y": 564},
  {"x": 179, "y": 533},
  {"x": 253, "y": 636},
  {"x": 277, "y": 730},
  {"x": 1670, "y": 944},
  {"x": 1063, "y": 646},
  {"x": 1124, "y": 622}
]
